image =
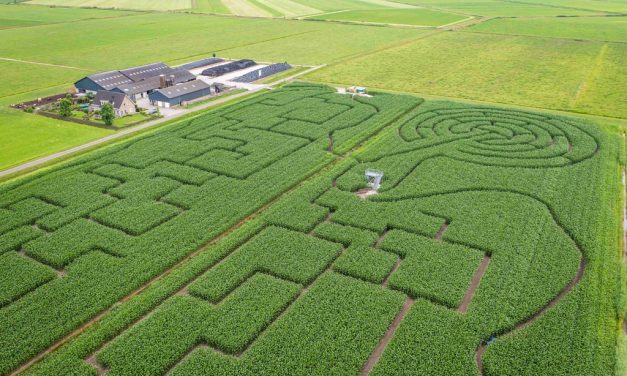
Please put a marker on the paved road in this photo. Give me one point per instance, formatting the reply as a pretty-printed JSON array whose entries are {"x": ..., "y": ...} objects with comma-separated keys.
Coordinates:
[{"x": 122, "y": 133}]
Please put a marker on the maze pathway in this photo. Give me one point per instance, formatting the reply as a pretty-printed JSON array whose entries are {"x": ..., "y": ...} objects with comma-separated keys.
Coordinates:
[{"x": 471, "y": 236}]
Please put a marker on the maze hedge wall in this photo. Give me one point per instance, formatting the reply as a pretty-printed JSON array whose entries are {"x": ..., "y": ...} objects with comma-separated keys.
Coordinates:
[{"x": 492, "y": 226}]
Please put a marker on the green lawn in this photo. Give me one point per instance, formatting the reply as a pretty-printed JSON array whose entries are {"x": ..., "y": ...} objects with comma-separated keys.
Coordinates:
[
  {"x": 420, "y": 17},
  {"x": 613, "y": 29},
  {"x": 538, "y": 72},
  {"x": 28, "y": 136}
]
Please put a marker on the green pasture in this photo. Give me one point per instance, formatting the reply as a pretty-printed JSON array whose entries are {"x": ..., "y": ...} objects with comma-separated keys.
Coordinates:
[
  {"x": 501, "y": 8},
  {"x": 185, "y": 37},
  {"x": 612, "y": 29},
  {"x": 211, "y": 6},
  {"x": 121, "y": 4},
  {"x": 539, "y": 72},
  {"x": 419, "y": 16},
  {"x": 46, "y": 14}
]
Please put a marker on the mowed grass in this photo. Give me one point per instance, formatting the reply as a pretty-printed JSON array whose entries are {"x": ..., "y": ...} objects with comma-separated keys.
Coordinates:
[
  {"x": 418, "y": 16},
  {"x": 8, "y": 23},
  {"x": 45, "y": 15},
  {"x": 612, "y": 29},
  {"x": 538, "y": 72},
  {"x": 211, "y": 6},
  {"x": 24, "y": 77},
  {"x": 27, "y": 136},
  {"x": 119, "y": 42},
  {"x": 121, "y": 4},
  {"x": 497, "y": 8}
]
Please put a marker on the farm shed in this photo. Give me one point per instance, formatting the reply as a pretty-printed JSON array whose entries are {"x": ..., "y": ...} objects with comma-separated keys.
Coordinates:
[
  {"x": 126, "y": 78},
  {"x": 146, "y": 71},
  {"x": 175, "y": 95},
  {"x": 101, "y": 81},
  {"x": 122, "y": 105},
  {"x": 141, "y": 89},
  {"x": 201, "y": 63},
  {"x": 228, "y": 68}
]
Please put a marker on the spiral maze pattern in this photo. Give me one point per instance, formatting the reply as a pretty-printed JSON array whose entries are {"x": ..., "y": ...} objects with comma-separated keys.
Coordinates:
[{"x": 501, "y": 138}]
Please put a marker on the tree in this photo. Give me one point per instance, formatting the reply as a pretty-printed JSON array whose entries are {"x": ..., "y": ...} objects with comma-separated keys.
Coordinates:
[
  {"x": 106, "y": 113},
  {"x": 65, "y": 107}
]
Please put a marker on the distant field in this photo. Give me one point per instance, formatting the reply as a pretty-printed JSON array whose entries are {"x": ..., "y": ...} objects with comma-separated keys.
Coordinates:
[
  {"x": 211, "y": 6},
  {"x": 419, "y": 16},
  {"x": 185, "y": 37},
  {"x": 540, "y": 72},
  {"x": 596, "y": 28},
  {"x": 501, "y": 8},
  {"x": 45, "y": 15},
  {"x": 122, "y": 4}
]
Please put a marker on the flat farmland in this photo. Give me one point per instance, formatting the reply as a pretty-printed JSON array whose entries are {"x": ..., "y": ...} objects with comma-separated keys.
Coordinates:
[
  {"x": 418, "y": 17},
  {"x": 131, "y": 40},
  {"x": 539, "y": 72},
  {"x": 611, "y": 29},
  {"x": 121, "y": 4},
  {"x": 501, "y": 8},
  {"x": 487, "y": 226}
]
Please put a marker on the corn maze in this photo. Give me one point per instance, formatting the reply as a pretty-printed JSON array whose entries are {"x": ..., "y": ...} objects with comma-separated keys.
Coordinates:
[{"x": 480, "y": 254}]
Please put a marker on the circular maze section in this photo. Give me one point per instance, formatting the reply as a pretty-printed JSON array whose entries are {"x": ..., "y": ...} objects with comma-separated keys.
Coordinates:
[{"x": 497, "y": 137}]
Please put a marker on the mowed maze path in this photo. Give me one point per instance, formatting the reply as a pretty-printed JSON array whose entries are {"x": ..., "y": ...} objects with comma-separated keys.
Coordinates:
[{"x": 320, "y": 266}]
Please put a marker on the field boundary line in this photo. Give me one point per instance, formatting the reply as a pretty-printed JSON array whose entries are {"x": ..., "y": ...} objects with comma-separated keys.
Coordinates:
[
  {"x": 592, "y": 75},
  {"x": 45, "y": 64},
  {"x": 469, "y": 18},
  {"x": 541, "y": 37}
]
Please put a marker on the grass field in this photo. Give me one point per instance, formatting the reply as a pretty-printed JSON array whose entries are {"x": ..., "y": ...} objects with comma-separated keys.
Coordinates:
[
  {"x": 121, "y": 4},
  {"x": 313, "y": 282},
  {"x": 501, "y": 8},
  {"x": 612, "y": 29},
  {"x": 537, "y": 72},
  {"x": 419, "y": 17}
]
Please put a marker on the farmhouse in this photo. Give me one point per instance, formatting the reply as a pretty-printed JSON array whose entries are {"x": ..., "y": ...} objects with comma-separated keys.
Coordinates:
[
  {"x": 121, "y": 103},
  {"x": 175, "y": 95}
]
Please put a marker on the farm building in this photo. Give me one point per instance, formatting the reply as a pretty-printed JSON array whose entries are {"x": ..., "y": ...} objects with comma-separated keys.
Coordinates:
[
  {"x": 132, "y": 81},
  {"x": 142, "y": 88},
  {"x": 228, "y": 68},
  {"x": 201, "y": 63},
  {"x": 175, "y": 95},
  {"x": 122, "y": 104},
  {"x": 101, "y": 81}
]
